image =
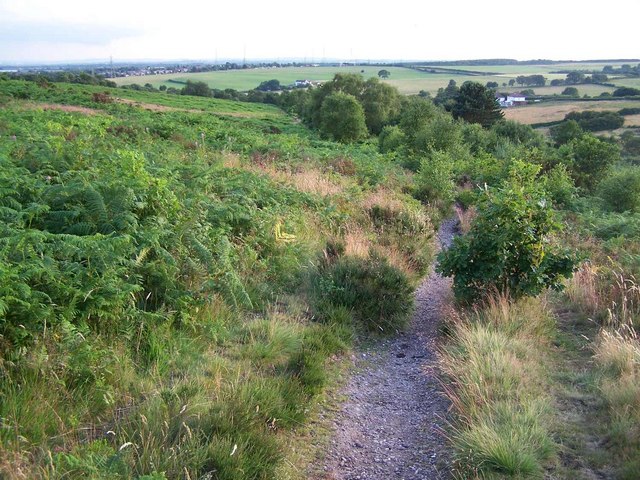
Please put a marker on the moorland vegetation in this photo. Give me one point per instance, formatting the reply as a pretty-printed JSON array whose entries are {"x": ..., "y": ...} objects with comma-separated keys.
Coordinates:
[{"x": 182, "y": 274}]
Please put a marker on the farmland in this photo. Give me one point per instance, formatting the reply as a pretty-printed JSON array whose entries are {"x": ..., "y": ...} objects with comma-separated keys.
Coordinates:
[
  {"x": 556, "y": 111},
  {"x": 409, "y": 81}
]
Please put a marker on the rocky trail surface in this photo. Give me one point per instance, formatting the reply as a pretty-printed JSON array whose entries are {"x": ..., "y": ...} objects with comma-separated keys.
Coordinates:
[{"x": 390, "y": 426}]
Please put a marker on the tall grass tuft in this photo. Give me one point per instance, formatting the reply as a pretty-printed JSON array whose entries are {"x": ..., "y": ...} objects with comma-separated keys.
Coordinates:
[
  {"x": 617, "y": 355},
  {"x": 495, "y": 365}
]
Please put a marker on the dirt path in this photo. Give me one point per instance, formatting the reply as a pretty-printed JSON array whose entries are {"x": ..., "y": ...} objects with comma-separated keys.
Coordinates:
[{"x": 390, "y": 425}]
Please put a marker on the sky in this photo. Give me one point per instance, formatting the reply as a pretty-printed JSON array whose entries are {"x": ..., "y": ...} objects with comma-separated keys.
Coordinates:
[{"x": 53, "y": 31}]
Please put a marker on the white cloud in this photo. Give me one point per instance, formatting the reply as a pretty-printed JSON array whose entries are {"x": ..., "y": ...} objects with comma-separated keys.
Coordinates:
[{"x": 402, "y": 29}]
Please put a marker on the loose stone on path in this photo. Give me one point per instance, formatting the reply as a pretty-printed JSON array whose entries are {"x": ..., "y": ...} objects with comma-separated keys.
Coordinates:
[{"x": 390, "y": 425}]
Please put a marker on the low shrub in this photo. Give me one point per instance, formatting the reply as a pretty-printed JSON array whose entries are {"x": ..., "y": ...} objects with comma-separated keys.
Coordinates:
[
  {"x": 378, "y": 295},
  {"x": 507, "y": 248},
  {"x": 621, "y": 190}
]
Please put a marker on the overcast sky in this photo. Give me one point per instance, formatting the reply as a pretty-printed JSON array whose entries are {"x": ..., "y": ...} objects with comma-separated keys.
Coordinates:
[{"x": 76, "y": 30}]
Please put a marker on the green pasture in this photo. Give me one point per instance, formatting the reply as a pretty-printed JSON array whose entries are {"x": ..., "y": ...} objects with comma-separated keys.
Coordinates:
[
  {"x": 251, "y": 78},
  {"x": 407, "y": 80},
  {"x": 515, "y": 70}
]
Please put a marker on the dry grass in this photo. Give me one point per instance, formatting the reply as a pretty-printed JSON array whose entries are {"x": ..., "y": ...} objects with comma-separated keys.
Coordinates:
[
  {"x": 617, "y": 355},
  {"x": 313, "y": 181},
  {"x": 357, "y": 242},
  {"x": 60, "y": 107},
  {"x": 624, "y": 295},
  {"x": 618, "y": 352},
  {"x": 383, "y": 198},
  {"x": 231, "y": 160},
  {"x": 582, "y": 289},
  {"x": 607, "y": 294},
  {"x": 14, "y": 466},
  {"x": 632, "y": 121},
  {"x": 465, "y": 217},
  {"x": 309, "y": 181},
  {"x": 399, "y": 260},
  {"x": 553, "y": 112}
]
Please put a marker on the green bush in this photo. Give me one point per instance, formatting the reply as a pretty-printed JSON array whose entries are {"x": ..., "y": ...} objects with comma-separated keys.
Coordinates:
[
  {"x": 592, "y": 121},
  {"x": 379, "y": 295},
  {"x": 342, "y": 118},
  {"x": 391, "y": 138},
  {"x": 434, "y": 182},
  {"x": 589, "y": 159},
  {"x": 621, "y": 190},
  {"x": 508, "y": 248},
  {"x": 559, "y": 185}
]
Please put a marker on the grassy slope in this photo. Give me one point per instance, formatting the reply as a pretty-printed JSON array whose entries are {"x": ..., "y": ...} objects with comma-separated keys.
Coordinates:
[{"x": 224, "y": 376}]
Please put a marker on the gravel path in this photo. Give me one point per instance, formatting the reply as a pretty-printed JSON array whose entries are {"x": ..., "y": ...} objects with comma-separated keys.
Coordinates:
[{"x": 390, "y": 425}]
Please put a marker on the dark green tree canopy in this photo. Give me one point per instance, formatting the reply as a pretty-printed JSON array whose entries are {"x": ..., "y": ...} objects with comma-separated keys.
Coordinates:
[
  {"x": 509, "y": 246},
  {"x": 270, "y": 86},
  {"x": 198, "y": 89},
  {"x": 570, "y": 91},
  {"x": 381, "y": 102},
  {"x": 342, "y": 118},
  {"x": 589, "y": 160},
  {"x": 476, "y": 104},
  {"x": 446, "y": 96},
  {"x": 384, "y": 73}
]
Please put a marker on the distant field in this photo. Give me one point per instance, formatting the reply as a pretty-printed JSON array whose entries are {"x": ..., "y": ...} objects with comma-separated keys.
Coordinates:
[
  {"x": 251, "y": 78},
  {"x": 515, "y": 70},
  {"x": 584, "y": 89},
  {"x": 553, "y": 112},
  {"x": 407, "y": 80}
]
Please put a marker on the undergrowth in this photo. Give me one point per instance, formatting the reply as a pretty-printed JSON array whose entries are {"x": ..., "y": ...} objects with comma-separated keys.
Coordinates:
[
  {"x": 157, "y": 313},
  {"x": 496, "y": 368}
]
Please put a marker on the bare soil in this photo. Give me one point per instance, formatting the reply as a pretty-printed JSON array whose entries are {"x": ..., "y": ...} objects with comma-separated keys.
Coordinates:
[{"x": 391, "y": 424}]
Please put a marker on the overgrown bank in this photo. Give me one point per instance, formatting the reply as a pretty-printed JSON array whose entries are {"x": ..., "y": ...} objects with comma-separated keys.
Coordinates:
[{"x": 165, "y": 274}]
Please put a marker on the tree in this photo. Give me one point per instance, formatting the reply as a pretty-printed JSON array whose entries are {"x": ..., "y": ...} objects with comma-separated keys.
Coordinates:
[
  {"x": 599, "y": 77},
  {"x": 380, "y": 101},
  {"x": 594, "y": 121},
  {"x": 626, "y": 92},
  {"x": 589, "y": 159},
  {"x": 508, "y": 248},
  {"x": 476, "y": 104},
  {"x": 621, "y": 191},
  {"x": 384, "y": 73},
  {"x": 198, "y": 89},
  {"x": 434, "y": 180},
  {"x": 381, "y": 104},
  {"x": 535, "y": 80},
  {"x": 565, "y": 132},
  {"x": 416, "y": 111},
  {"x": 512, "y": 82},
  {"x": 570, "y": 91},
  {"x": 342, "y": 118},
  {"x": 270, "y": 86},
  {"x": 492, "y": 84},
  {"x": 575, "y": 77},
  {"x": 446, "y": 96}
]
